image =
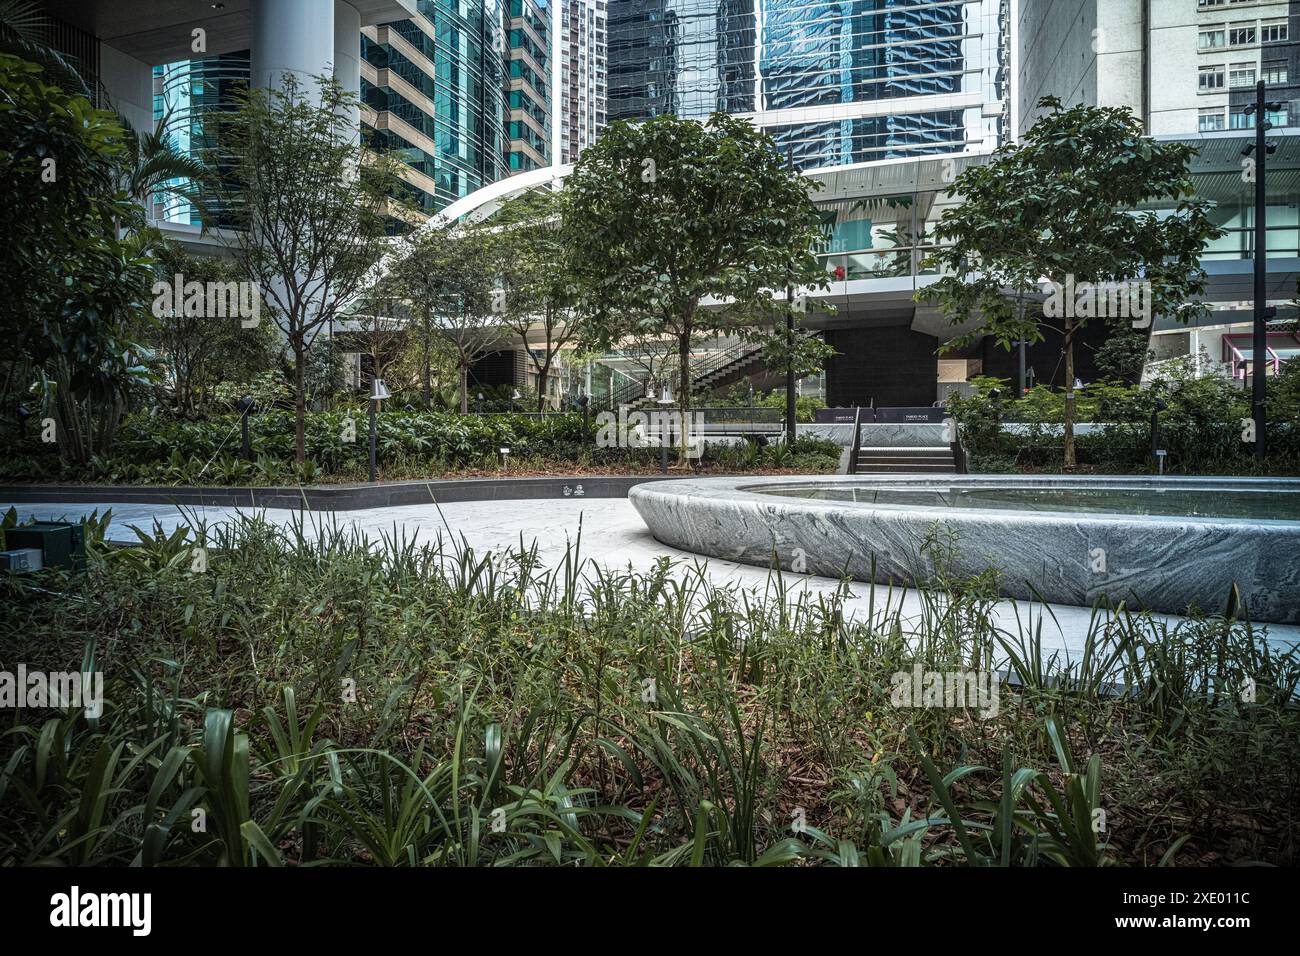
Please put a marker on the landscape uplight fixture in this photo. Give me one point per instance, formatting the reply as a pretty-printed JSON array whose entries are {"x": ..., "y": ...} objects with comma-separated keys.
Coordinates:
[{"x": 378, "y": 392}]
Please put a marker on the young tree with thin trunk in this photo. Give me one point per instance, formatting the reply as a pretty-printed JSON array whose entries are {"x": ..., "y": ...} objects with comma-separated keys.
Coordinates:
[
  {"x": 313, "y": 209},
  {"x": 449, "y": 281},
  {"x": 664, "y": 214},
  {"x": 1062, "y": 206},
  {"x": 541, "y": 295}
]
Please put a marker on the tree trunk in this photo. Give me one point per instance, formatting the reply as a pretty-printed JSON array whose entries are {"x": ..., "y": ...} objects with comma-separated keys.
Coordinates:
[
  {"x": 1068, "y": 427},
  {"x": 299, "y": 402},
  {"x": 464, "y": 388},
  {"x": 684, "y": 396},
  {"x": 541, "y": 382},
  {"x": 428, "y": 391}
]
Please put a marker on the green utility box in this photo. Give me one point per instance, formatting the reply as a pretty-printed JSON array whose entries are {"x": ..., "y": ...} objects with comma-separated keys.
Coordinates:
[{"x": 62, "y": 545}]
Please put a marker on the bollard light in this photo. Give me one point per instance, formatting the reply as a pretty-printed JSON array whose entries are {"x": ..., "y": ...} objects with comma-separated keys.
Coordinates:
[
  {"x": 378, "y": 392},
  {"x": 583, "y": 402},
  {"x": 246, "y": 407},
  {"x": 1156, "y": 451}
]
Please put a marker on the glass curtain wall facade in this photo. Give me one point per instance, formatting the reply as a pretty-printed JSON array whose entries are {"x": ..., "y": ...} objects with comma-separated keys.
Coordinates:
[
  {"x": 530, "y": 85},
  {"x": 834, "y": 82},
  {"x": 188, "y": 94},
  {"x": 436, "y": 89}
]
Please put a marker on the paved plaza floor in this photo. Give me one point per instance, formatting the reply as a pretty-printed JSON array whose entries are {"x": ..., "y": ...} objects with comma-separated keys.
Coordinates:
[{"x": 612, "y": 536}]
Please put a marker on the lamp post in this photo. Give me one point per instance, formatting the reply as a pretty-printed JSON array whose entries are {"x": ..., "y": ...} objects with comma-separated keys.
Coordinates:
[
  {"x": 665, "y": 398},
  {"x": 514, "y": 397},
  {"x": 378, "y": 393},
  {"x": 791, "y": 405},
  {"x": 1261, "y": 149}
]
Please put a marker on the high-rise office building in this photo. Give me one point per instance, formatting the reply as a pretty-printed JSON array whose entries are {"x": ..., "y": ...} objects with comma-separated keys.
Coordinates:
[
  {"x": 1188, "y": 69},
  {"x": 187, "y": 93},
  {"x": 435, "y": 88},
  {"x": 581, "y": 51},
  {"x": 531, "y": 89},
  {"x": 1182, "y": 67},
  {"x": 835, "y": 83}
]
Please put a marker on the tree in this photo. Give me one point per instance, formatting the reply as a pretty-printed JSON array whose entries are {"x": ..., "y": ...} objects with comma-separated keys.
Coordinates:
[
  {"x": 449, "y": 283},
  {"x": 541, "y": 295},
  {"x": 1062, "y": 204},
  {"x": 155, "y": 165},
  {"x": 380, "y": 329},
  {"x": 70, "y": 283},
  {"x": 664, "y": 214},
  {"x": 312, "y": 209},
  {"x": 199, "y": 351},
  {"x": 24, "y": 25}
]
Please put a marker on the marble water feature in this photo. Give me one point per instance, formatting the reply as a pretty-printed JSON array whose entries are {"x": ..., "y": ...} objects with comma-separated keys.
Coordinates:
[{"x": 1160, "y": 544}]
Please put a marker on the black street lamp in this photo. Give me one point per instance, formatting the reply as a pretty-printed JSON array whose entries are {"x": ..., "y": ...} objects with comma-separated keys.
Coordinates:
[
  {"x": 791, "y": 405},
  {"x": 1261, "y": 149},
  {"x": 665, "y": 399},
  {"x": 378, "y": 393}
]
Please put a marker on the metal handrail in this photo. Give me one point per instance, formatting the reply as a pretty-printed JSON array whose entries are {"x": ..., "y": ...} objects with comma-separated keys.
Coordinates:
[{"x": 857, "y": 440}]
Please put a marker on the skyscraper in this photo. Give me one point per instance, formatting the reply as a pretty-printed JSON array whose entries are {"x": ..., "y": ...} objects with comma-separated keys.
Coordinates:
[
  {"x": 436, "y": 88},
  {"x": 580, "y": 99},
  {"x": 531, "y": 90},
  {"x": 834, "y": 82}
]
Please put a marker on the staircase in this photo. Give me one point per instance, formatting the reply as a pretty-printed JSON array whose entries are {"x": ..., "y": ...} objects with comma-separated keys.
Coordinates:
[
  {"x": 722, "y": 368},
  {"x": 931, "y": 459}
]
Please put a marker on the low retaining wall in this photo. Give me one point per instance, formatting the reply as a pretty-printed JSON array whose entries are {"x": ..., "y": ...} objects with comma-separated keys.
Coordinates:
[
  {"x": 338, "y": 497},
  {"x": 881, "y": 435},
  {"x": 1163, "y": 563}
]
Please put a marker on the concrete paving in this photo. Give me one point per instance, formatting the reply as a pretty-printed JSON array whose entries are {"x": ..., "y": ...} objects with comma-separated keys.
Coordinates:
[{"x": 613, "y": 536}]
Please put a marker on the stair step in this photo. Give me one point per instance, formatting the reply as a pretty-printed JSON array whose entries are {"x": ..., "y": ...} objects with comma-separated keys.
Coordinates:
[
  {"x": 910, "y": 462},
  {"x": 865, "y": 455},
  {"x": 921, "y": 450},
  {"x": 899, "y": 469}
]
